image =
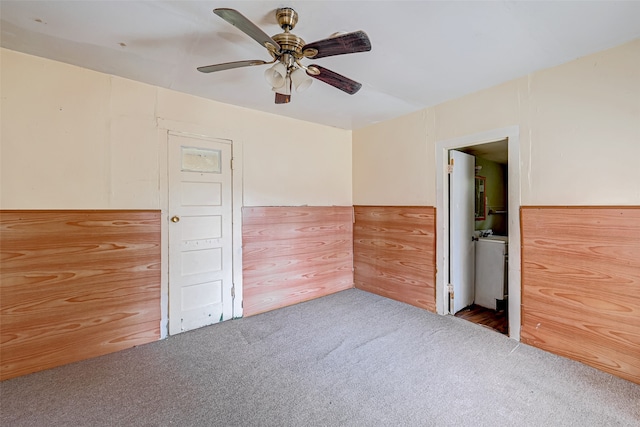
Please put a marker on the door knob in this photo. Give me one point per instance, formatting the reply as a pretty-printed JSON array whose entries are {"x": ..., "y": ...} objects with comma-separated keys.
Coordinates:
[{"x": 175, "y": 219}]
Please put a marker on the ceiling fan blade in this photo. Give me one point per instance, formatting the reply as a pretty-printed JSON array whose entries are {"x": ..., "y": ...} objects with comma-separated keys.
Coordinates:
[
  {"x": 282, "y": 99},
  {"x": 238, "y": 20},
  {"x": 357, "y": 41},
  {"x": 334, "y": 79},
  {"x": 230, "y": 65}
]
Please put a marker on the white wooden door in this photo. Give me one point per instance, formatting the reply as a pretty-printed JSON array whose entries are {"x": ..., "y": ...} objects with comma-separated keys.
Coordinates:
[
  {"x": 461, "y": 228},
  {"x": 200, "y": 232}
]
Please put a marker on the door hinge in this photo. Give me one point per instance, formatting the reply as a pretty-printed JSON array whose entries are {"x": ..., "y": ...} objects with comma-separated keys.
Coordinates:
[
  {"x": 450, "y": 167},
  {"x": 231, "y": 163},
  {"x": 450, "y": 289},
  {"x": 233, "y": 292}
]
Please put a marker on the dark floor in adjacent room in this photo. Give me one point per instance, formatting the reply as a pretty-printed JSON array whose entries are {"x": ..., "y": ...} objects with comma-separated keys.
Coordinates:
[{"x": 496, "y": 320}]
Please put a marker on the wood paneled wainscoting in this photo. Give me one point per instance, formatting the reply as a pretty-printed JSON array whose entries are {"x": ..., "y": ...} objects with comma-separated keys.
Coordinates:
[
  {"x": 75, "y": 285},
  {"x": 395, "y": 253},
  {"x": 294, "y": 254},
  {"x": 581, "y": 285}
]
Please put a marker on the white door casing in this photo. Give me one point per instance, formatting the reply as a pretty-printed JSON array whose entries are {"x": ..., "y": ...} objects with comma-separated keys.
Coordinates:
[
  {"x": 461, "y": 228},
  {"x": 200, "y": 239},
  {"x": 516, "y": 169}
]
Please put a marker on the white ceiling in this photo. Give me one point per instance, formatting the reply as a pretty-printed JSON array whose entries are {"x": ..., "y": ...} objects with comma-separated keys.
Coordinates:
[{"x": 424, "y": 52}]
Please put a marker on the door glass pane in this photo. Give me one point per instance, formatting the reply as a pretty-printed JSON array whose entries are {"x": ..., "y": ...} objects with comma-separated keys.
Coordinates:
[{"x": 200, "y": 160}]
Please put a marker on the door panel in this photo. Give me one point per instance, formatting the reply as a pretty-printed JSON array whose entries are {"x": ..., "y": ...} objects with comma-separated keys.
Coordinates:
[
  {"x": 200, "y": 232},
  {"x": 196, "y": 229},
  {"x": 462, "y": 224},
  {"x": 201, "y": 194},
  {"x": 202, "y": 261}
]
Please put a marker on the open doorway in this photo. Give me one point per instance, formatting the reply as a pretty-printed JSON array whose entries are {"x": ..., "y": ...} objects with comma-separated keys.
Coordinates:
[
  {"x": 478, "y": 238},
  {"x": 480, "y": 221}
]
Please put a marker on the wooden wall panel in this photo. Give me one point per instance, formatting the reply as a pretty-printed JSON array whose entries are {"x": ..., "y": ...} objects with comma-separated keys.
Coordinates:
[
  {"x": 294, "y": 254},
  {"x": 75, "y": 285},
  {"x": 395, "y": 253},
  {"x": 581, "y": 285}
]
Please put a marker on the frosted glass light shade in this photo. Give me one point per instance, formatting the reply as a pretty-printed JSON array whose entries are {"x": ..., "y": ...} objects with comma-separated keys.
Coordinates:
[
  {"x": 285, "y": 89},
  {"x": 301, "y": 81},
  {"x": 276, "y": 75}
]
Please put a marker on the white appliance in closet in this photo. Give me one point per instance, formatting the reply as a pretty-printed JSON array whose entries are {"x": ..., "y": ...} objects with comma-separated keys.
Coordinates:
[{"x": 491, "y": 270}]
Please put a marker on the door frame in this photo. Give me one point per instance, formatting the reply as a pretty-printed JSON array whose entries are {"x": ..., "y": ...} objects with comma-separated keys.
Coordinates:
[
  {"x": 512, "y": 134},
  {"x": 165, "y": 128}
]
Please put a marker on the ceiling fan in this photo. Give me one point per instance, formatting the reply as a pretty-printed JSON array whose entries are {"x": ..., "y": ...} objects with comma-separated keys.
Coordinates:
[{"x": 287, "y": 51}]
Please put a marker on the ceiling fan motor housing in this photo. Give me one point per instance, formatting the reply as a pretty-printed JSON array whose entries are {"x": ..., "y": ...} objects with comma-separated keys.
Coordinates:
[{"x": 289, "y": 43}]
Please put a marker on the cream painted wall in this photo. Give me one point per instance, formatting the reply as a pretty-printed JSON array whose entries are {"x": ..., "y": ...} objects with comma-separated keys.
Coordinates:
[
  {"x": 390, "y": 160},
  {"x": 55, "y": 135},
  {"x": 579, "y": 136},
  {"x": 584, "y": 145},
  {"x": 72, "y": 138}
]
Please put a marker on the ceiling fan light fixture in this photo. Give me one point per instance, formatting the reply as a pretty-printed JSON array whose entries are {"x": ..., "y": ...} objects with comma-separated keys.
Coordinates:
[
  {"x": 301, "y": 81},
  {"x": 276, "y": 75}
]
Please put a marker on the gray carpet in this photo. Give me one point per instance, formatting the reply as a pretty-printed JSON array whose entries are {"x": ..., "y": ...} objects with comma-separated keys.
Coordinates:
[{"x": 349, "y": 359}]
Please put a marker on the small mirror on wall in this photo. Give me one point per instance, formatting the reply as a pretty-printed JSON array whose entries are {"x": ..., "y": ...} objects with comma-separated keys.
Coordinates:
[{"x": 480, "y": 198}]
